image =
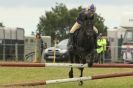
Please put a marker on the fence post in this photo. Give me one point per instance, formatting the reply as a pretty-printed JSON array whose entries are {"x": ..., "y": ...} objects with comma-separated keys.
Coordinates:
[
  {"x": 54, "y": 52},
  {"x": 16, "y": 51},
  {"x": 4, "y": 52}
]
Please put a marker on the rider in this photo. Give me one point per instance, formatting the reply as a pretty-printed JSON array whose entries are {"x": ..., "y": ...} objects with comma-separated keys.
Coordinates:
[{"x": 85, "y": 14}]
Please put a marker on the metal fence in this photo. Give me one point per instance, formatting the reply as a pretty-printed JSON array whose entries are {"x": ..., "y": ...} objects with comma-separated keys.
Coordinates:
[
  {"x": 11, "y": 52},
  {"x": 17, "y": 52},
  {"x": 22, "y": 52}
]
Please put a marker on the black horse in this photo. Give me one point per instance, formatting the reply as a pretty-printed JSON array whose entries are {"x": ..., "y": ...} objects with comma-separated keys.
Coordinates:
[{"x": 83, "y": 51}]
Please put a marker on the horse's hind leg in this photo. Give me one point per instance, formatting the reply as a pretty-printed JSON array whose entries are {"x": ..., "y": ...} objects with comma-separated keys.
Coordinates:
[
  {"x": 83, "y": 61},
  {"x": 71, "y": 71}
]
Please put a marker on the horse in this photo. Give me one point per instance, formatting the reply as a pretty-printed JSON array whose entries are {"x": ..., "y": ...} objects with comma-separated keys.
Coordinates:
[{"x": 83, "y": 49}]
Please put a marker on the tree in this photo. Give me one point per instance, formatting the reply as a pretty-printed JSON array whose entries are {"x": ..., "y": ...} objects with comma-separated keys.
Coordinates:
[
  {"x": 99, "y": 23},
  {"x": 57, "y": 21},
  {"x": 1, "y": 24},
  {"x": 60, "y": 19}
]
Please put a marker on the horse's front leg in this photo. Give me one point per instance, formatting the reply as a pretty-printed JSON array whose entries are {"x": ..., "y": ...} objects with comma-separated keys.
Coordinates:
[
  {"x": 71, "y": 73},
  {"x": 81, "y": 75},
  {"x": 89, "y": 60}
]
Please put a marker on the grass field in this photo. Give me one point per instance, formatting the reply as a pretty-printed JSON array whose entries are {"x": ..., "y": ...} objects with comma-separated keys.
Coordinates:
[{"x": 18, "y": 75}]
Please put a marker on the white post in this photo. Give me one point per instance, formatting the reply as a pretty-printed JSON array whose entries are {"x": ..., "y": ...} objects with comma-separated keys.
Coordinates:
[
  {"x": 65, "y": 65},
  {"x": 69, "y": 80},
  {"x": 54, "y": 52}
]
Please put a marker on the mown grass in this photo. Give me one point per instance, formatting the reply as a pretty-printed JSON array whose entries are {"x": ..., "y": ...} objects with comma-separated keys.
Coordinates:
[{"x": 18, "y": 75}]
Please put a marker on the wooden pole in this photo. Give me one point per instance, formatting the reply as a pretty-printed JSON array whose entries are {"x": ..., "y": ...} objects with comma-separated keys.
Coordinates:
[
  {"x": 65, "y": 65},
  {"x": 71, "y": 79}
]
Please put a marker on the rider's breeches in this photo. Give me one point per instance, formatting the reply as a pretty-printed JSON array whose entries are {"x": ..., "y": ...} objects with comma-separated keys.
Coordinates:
[
  {"x": 75, "y": 27},
  {"x": 95, "y": 29}
]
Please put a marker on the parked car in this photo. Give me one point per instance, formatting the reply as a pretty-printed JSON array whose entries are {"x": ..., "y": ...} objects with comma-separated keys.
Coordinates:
[{"x": 61, "y": 53}]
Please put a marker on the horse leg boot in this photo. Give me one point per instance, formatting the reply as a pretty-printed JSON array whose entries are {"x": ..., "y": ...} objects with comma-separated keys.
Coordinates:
[
  {"x": 71, "y": 73},
  {"x": 71, "y": 42}
]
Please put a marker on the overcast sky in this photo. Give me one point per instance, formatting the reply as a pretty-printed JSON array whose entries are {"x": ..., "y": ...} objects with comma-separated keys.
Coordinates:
[{"x": 26, "y": 13}]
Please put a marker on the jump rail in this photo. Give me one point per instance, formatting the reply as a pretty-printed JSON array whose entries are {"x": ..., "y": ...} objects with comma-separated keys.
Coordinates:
[
  {"x": 65, "y": 65},
  {"x": 71, "y": 79}
]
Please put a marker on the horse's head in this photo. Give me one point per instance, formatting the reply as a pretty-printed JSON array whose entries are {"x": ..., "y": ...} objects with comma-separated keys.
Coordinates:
[
  {"x": 88, "y": 25},
  {"x": 89, "y": 34}
]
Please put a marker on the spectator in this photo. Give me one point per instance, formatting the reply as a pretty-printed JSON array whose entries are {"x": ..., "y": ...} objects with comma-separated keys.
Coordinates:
[
  {"x": 101, "y": 48},
  {"x": 127, "y": 55},
  {"x": 38, "y": 48}
]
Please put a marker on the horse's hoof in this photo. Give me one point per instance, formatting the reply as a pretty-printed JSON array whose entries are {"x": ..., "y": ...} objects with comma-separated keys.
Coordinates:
[{"x": 80, "y": 83}]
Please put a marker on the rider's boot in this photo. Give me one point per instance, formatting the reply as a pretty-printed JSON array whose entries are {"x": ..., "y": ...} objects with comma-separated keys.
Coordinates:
[
  {"x": 71, "y": 42},
  {"x": 95, "y": 40}
]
